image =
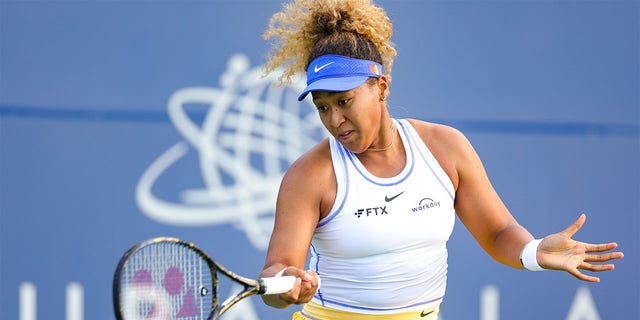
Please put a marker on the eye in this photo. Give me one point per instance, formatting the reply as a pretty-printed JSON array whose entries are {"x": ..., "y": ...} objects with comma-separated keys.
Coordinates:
[
  {"x": 321, "y": 108},
  {"x": 343, "y": 102}
]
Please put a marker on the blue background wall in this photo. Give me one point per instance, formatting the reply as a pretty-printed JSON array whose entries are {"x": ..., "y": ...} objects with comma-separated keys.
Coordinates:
[{"x": 547, "y": 91}]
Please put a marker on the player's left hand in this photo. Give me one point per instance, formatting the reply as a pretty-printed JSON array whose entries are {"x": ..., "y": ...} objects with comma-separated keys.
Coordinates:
[{"x": 560, "y": 252}]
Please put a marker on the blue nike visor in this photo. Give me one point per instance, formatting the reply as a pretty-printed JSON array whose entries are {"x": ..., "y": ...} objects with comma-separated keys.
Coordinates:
[{"x": 337, "y": 73}]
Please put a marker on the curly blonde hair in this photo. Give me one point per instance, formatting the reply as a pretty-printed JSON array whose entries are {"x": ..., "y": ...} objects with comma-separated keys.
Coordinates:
[{"x": 306, "y": 29}]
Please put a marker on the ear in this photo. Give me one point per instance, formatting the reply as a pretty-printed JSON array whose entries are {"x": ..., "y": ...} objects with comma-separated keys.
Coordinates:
[{"x": 383, "y": 87}]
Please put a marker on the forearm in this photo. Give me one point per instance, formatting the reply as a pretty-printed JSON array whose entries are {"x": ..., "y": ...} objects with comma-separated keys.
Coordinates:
[{"x": 508, "y": 245}]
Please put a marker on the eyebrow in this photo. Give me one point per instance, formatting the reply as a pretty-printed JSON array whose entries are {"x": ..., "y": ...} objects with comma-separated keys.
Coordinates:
[{"x": 328, "y": 94}]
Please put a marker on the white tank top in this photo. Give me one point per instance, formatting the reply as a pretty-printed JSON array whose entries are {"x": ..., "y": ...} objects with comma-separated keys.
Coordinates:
[{"x": 382, "y": 248}]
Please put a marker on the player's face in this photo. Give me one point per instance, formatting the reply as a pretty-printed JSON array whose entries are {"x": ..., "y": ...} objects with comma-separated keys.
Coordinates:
[{"x": 353, "y": 117}]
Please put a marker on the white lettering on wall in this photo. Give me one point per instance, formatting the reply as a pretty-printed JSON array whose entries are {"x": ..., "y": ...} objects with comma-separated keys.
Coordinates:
[
  {"x": 583, "y": 306},
  {"x": 28, "y": 296},
  {"x": 75, "y": 301},
  {"x": 490, "y": 303}
]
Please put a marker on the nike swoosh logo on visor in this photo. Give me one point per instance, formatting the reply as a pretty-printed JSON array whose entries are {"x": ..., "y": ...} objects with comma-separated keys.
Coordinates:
[{"x": 316, "y": 68}]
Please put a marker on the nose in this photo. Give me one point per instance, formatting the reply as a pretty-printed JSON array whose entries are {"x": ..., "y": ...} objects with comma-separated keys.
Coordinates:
[{"x": 336, "y": 117}]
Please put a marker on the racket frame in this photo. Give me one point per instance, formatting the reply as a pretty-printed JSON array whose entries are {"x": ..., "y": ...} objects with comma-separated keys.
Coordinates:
[{"x": 251, "y": 286}]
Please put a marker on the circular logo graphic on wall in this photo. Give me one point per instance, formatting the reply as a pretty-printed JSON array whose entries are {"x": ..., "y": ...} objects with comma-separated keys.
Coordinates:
[{"x": 250, "y": 133}]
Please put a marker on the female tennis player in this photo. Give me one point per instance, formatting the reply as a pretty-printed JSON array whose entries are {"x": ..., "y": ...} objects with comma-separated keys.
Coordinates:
[{"x": 375, "y": 203}]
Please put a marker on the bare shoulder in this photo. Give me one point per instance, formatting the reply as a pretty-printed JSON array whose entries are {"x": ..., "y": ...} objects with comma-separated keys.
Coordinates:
[
  {"x": 310, "y": 180},
  {"x": 434, "y": 133},
  {"x": 311, "y": 165},
  {"x": 447, "y": 144}
]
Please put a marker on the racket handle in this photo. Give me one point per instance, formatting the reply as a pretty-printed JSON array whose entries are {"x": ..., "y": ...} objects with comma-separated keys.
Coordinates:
[{"x": 276, "y": 285}]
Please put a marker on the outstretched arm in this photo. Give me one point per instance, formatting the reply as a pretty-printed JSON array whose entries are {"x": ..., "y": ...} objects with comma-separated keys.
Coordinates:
[{"x": 484, "y": 214}]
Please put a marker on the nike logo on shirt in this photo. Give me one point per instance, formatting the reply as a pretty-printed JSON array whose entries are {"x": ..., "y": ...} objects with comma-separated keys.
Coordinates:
[
  {"x": 389, "y": 199},
  {"x": 423, "y": 314}
]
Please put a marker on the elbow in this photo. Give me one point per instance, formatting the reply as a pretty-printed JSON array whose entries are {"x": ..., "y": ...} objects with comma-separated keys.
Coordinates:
[{"x": 508, "y": 243}]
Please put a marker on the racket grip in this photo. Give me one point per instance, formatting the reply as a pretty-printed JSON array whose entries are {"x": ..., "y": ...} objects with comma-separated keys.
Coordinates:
[{"x": 276, "y": 285}]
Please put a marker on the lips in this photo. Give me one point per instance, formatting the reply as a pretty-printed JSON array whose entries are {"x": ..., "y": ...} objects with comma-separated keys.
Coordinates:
[{"x": 345, "y": 135}]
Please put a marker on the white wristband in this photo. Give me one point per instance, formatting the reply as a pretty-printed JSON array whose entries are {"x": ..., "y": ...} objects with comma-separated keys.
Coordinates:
[{"x": 529, "y": 254}]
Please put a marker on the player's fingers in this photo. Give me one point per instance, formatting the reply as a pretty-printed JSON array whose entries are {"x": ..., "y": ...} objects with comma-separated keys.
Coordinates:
[
  {"x": 317, "y": 278},
  {"x": 596, "y": 267},
  {"x": 603, "y": 257},
  {"x": 575, "y": 226},
  {"x": 308, "y": 289},
  {"x": 292, "y": 295},
  {"x": 296, "y": 272},
  {"x": 311, "y": 280},
  {"x": 600, "y": 247},
  {"x": 584, "y": 277},
  {"x": 309, "y": 276}
]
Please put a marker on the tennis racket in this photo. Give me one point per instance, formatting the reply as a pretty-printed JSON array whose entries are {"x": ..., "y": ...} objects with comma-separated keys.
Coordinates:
[{"x": 167, "y": 278}]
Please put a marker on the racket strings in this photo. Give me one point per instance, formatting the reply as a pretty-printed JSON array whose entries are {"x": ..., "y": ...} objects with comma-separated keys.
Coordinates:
[{"x": 167, "y": 281}]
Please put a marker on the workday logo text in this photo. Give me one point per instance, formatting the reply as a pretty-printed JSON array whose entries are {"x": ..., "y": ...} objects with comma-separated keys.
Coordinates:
[
  {"x": 426, "y": 204},
  {"x": 251, "y": 132}
]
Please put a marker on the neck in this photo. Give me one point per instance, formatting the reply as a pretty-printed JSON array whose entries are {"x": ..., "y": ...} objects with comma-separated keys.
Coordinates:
[{"x": 387, "y": 147}]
